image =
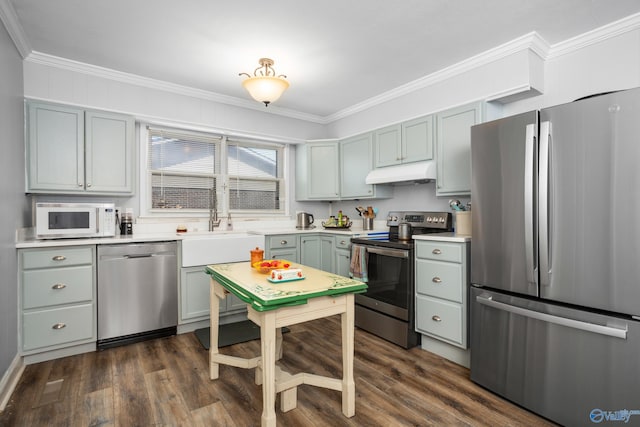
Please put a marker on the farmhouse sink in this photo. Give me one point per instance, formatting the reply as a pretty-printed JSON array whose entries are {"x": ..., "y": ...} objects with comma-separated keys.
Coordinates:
[{"x": 214, "y": 248}]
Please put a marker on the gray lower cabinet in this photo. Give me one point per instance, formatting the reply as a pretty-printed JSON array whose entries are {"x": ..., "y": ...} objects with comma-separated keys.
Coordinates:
[
  {"x": 453, "y": 144},
  {"x": 282, "y": 246},
  {"x": 342, "y": 255},
  {"x": 317, "y": 251},
  {"x": 71, "y": 150},
  {"x": 57, "y": 298},
  {"x": 442, "y": 284},
  {"x": 194, "y": 296}
]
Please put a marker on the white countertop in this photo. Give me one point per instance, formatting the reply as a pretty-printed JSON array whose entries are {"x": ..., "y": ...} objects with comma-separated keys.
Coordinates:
[
  {"x": 31, "y": 242},
  {"x": 443, "y": 237}
]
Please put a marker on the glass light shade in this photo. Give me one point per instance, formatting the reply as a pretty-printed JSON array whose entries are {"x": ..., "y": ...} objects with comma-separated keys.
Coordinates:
[{"x": 265, "y": 89}]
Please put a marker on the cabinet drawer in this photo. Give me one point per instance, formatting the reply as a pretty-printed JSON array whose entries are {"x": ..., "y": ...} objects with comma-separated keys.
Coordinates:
[
  {"x": 441, "y": 251},
  {"x": 283, "y": 241},
  {"x": 55, "y": 286},
  {"x": 58, "y": 257},
  {"x": 439, "y": 279},
  {"x": 439, "y": 318},
  {"x": 45, "y": 328},
  {"x": 343, "y": 242}
]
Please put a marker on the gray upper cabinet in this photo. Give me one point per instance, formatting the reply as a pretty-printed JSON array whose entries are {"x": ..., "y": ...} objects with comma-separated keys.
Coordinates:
[
  {"x": 453, "y": 144},
  {"x": 356, "y": 161},
  {"x": 70, "y": 151},
  {"x": 410, "y": 141},
  {"x": 318, "y": 170}
]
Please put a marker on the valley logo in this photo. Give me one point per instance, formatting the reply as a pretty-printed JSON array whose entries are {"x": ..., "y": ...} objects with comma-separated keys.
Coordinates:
[{"x": 598, "y": 415}]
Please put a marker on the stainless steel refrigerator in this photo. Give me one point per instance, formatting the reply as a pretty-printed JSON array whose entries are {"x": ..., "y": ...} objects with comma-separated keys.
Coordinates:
[{"x": 555, "y": 260}]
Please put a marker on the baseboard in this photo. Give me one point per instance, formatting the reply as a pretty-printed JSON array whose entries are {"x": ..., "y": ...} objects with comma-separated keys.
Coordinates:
[{"x": 10, "y": 380}]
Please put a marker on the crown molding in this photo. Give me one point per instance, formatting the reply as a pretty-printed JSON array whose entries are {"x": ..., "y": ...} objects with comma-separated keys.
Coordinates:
[
  {"x": 531, "y": 41},
  {"x": 11, "y": 22},
  {"x": 137, "y": 80}
]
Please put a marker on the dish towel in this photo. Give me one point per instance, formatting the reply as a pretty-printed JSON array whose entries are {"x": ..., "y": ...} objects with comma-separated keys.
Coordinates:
[{"x": 358, "y": 268}]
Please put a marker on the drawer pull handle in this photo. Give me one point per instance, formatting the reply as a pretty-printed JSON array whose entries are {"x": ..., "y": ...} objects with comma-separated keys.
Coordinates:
[
  {"x": 436, "y": 280},
  {"x": 283, "y": 242},
  {"x": 436, "y": 318},
  {"x": 59, "y": 286},
  {"x": 343, "y": 242},
  {"x": 436, "y": 251},
  {"x": 59, "y": 326},
  {"x": 59, "y": 258}
]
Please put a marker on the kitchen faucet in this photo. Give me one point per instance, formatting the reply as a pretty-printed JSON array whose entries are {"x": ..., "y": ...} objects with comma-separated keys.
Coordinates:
[{"x": 214, "y": 221}]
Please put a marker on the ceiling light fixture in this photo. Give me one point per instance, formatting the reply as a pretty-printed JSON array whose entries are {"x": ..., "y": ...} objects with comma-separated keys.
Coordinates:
[{"x": 265, "y": 86}]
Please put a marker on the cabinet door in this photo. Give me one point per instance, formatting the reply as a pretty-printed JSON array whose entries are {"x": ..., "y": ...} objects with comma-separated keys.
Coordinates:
[
  {"x": 323, "y": 162},
  {"x": 356, "y": 161},
  {"x": 454, "y": 149},
  {"x": 343, "y": 262},
  {"x": 194, "y": 294},
  {"x": 110, "y": 153},
  {"x": 327, "y": 247},
  {"x": 417, "y": 139},
  {"x": 310, "y": 251},
  {"x": 388, "y": 146},
  {"x": 55, "y": 149}
]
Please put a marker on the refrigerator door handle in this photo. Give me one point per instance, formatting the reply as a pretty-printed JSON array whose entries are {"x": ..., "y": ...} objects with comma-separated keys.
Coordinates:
[
  {"x": 549, "y": 318},
  {"x": 529, "y": 176},
  {"x": 543, "y": 204}
]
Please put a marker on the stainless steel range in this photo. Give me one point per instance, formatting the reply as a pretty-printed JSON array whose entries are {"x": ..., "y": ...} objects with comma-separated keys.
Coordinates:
[{"x": 387, "y": 265}]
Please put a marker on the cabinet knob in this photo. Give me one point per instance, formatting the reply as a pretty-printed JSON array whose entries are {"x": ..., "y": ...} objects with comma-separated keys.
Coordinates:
[
  {"x": 59, "y": 286},
  {"x": 436, "y": 318},
  {"x": 343, "y": 242},
  {"x": 283, "y": 242},
  {"x": 79, "y": 184},
  {"x": 436, "y": 251},
  {"x": 88, "y": 184},
  {"x": 59, "y": 258},
  {"x": 59, "y": 326},
  {"x": 436, "y": 280}
]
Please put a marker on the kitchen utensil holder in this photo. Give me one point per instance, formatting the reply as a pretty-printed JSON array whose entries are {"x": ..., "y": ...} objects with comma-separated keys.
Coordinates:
[
  {"x": 367, "y": 223},
  {"x": 463, "y": 223}
]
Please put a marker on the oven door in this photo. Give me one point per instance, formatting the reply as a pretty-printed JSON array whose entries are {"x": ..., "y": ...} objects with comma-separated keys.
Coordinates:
[{"x": 390, "y": 281}]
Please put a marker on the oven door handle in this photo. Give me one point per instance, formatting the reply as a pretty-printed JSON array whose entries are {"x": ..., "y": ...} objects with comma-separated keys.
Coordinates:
[{"x": 396, "y": 253}]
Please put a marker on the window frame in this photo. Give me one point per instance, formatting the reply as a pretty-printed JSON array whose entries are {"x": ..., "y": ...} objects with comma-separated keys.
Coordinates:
[{"x": 146, "y": 211}]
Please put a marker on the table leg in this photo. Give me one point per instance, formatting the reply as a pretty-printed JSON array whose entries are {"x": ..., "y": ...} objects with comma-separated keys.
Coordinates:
[
  {"x": 278, "y": 343},
  {"x": 348, "y": 383},
  {"x": 268, "y": 344},
  {"x": 214, "y": 301}
]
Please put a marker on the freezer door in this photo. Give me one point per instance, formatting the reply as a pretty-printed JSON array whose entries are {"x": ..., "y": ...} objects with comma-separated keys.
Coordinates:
[
  {"x": 589, "y": 231},
  {"x": 504, "y": 172},
  {"x": 573, "y": 367}
]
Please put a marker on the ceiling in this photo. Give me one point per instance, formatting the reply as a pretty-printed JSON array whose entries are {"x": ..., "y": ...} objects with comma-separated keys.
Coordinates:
[{"x": 335, "y": 53}]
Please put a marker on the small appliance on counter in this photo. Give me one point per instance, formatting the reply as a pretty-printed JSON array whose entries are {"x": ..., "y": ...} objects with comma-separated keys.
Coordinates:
[
  {"x": 74, "y": 220},
  {"x": 304, "y": 221}
]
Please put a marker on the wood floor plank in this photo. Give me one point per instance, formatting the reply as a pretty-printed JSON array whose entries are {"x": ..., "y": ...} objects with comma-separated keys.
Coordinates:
[
  {"x": 131, "y": 398},
  {"x": 169, "y": 409},
  {"x": 98, "y": 409},
  {"x": 166, "y": 382}
]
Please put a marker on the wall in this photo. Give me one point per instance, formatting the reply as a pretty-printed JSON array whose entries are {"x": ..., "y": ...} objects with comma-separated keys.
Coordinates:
[{"x": 13, "y": 206}]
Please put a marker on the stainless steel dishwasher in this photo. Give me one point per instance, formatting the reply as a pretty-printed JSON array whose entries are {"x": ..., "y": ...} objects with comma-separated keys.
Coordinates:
[{"x": 137, "y": 292}]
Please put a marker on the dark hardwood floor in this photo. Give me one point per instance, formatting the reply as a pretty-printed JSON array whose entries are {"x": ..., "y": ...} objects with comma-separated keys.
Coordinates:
[{"x": 165, "y": 382}]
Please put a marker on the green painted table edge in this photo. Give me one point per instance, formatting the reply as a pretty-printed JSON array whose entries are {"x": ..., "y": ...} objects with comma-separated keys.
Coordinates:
[{"x": 259, "y": 304}]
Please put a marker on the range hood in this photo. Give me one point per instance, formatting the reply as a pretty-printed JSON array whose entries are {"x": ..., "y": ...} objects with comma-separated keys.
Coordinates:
[{"x": 417, "y": 171}]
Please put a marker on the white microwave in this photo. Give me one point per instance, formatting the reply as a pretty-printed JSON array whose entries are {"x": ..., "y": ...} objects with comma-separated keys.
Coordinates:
[{"x": 73, "y": 220}]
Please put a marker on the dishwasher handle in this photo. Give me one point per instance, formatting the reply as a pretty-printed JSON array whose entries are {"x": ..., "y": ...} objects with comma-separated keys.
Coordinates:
[{"x": 139, "y": 256}]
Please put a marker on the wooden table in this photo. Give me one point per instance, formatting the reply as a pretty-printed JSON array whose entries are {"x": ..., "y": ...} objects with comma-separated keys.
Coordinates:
[{"x": 273, "y": 306}]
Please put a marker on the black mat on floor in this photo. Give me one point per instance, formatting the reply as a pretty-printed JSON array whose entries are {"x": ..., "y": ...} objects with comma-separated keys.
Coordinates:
[{"x": 231, "y": 333}]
